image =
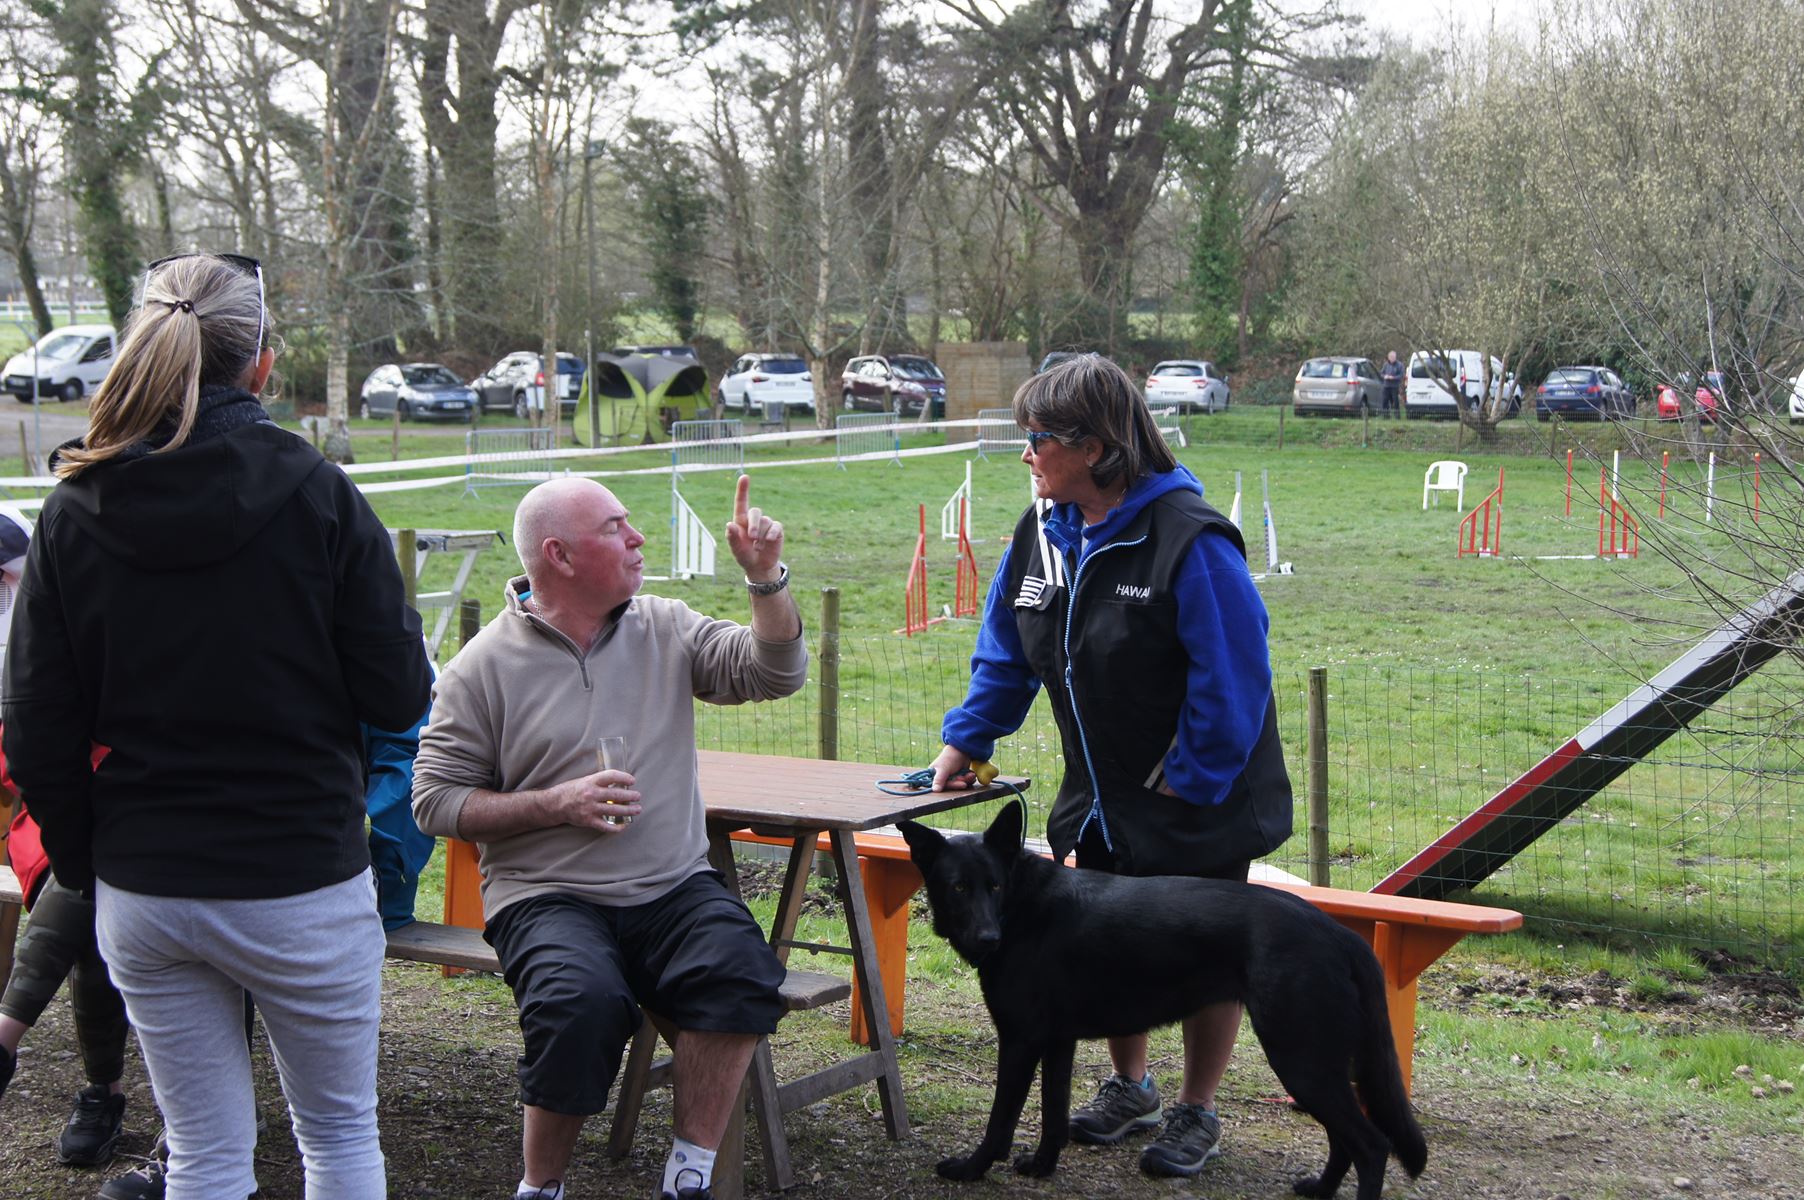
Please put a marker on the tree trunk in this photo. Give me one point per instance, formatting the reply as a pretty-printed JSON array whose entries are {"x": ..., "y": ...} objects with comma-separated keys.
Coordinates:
[
  {"x": 338, "y": 360},
  {"x": 16, "y": 220}
]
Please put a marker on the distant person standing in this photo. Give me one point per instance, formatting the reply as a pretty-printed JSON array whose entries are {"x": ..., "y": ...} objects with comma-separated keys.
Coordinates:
[{"x": 1392, "y": 374}]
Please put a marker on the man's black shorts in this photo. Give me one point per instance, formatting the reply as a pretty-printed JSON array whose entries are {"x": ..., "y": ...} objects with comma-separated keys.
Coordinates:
[
  {"x": 580, "y": 971},
  {"x": 1093, "y": 854}
]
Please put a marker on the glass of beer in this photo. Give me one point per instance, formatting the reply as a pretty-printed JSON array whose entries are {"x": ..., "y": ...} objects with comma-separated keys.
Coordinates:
[{"x": 610, "y": 755}]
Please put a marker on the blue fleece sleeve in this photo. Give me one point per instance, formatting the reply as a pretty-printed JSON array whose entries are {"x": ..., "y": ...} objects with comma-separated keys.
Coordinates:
[
  {"x": 398, "y": 850},
  {"x": 1003, "y": 686},
  {"x": 1223, "y": 625}
]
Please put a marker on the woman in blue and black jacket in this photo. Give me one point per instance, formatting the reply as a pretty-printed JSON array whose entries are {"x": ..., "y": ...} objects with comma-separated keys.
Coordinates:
[{"x": 1130, "y": 597}]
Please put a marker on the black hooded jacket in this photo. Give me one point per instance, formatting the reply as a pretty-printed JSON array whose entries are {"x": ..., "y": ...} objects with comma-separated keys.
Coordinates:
[{"x": 220, "y": 616}]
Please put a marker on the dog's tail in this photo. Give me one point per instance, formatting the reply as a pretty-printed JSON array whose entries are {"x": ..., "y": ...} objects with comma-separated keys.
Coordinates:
[{"x": 1380, "y": 1079}]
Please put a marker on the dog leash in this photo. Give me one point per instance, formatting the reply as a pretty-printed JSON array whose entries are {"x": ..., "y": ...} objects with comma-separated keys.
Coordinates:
[{"x": 915, "y": 782}]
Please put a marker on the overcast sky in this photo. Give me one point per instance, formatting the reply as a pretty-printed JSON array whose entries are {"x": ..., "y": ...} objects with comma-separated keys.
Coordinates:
[{"x": 1416, "y": 19}]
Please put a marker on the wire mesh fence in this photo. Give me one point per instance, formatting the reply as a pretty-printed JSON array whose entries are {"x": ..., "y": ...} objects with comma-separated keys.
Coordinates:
[{"x": 1694, "y": 843}]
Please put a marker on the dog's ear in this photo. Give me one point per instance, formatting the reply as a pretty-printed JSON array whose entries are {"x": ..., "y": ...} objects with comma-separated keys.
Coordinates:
[
  {"x": 1007, "y": 833},
  {"x": 924, "y": 844}
]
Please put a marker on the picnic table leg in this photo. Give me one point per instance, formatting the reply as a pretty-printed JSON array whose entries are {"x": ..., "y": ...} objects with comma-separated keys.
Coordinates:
[
  {"x": 889, "y": 885},
  {"x": 865, "y": 971}
]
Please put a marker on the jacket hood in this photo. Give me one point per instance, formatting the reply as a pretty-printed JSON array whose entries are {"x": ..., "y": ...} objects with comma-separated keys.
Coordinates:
[
  {"x": 1065, "y": 524},
  {"x": 192, "y": 506}
]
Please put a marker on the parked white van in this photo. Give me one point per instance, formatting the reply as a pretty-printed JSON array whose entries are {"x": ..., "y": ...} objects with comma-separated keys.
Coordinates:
[
  {"x": 1424, "y": 392},
  {"x": 70, "y": 363}
]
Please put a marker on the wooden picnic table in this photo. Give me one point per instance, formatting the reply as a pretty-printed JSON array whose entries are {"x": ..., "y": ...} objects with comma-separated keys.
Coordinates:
[{"x": 807, "y": 800}]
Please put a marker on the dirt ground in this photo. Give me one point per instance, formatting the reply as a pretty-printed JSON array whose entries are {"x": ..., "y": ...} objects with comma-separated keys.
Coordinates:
[{"x": 451, "y": 1125}]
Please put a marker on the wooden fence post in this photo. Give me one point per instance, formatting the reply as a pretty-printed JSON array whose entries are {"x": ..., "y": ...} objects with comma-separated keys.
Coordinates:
[
  {"x": 407, "y": 550},
  {"x": 1318, "y": 776},
  {"x": 469, "y": 620},
  {"x": 829, "y": 673}
]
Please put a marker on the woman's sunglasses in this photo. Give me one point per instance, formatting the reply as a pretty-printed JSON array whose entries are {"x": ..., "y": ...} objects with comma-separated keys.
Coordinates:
[
  {"x": 1039, "y": 437},
  {"x": 243, "y": 262}
]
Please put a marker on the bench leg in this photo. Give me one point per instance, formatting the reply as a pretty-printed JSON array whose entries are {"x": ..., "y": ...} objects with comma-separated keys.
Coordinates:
[
  {"x": 889, "y": 885},
  {"x": 629, "y": 1094},
  {"x": 1399, "y": 997}
]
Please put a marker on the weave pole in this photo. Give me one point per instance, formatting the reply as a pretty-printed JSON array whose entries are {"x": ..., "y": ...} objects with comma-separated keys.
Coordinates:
[
  {"x": 1665, "y": 458},
  {"x": 1756, "y": 487},
  {"x": 1569, "y": 482}
]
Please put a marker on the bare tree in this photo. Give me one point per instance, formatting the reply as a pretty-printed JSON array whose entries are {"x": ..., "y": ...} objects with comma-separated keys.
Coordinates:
[{"x": 21, "y": 170}]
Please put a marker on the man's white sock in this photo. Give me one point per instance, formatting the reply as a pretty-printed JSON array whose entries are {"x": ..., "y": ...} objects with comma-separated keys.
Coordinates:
[
  {"x": 549, "y": 1191},
  {"x": 689, "y": 1166}
]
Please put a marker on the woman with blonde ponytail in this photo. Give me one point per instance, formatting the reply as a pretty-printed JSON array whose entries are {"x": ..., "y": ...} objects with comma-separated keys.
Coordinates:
[{"x": 216, "y": 603}]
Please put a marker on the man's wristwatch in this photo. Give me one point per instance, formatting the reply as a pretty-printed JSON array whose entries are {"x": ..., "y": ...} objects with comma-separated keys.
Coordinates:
[{"x": 773, "y": 587}]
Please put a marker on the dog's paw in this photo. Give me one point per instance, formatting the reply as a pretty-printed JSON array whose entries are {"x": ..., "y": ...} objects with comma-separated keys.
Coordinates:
[
  {"x": 1037, "y": 1165},
  {"x": 1313, "y": 1187},
  {"x": 964, "y": 1170}
]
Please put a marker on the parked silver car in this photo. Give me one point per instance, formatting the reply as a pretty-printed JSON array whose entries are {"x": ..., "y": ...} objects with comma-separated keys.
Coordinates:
[
  {"x": 1337, "y": 384},
  {"x": 1187, "y": 383}
]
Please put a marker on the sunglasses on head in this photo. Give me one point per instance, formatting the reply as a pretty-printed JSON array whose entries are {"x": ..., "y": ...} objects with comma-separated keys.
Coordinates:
[{"x": 243, "y": 262}]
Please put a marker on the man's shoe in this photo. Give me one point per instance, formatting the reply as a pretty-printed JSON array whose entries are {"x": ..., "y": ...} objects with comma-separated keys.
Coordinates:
[
  {"x": 1191, "y": 1137},
  {"x": 148, "y": 1182},
  {"x": 93, "y": 1129},
  {"x": 8, "y": 1060},
  {"x": 1121, "y": 1107}
]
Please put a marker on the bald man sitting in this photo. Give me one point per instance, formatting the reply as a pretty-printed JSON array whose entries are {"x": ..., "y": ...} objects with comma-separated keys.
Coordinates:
[{"x": 596, "y": 891}]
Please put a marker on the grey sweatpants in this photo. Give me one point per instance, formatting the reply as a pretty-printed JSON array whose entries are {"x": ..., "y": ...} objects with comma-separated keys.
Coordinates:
[{"x": 314, "y": 964}]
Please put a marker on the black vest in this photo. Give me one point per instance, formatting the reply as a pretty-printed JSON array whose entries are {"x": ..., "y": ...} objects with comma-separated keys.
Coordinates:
[{"x": 1117, "y": 678}]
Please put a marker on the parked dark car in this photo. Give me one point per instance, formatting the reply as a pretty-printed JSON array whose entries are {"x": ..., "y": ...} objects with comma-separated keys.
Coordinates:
[
  {"x": 893, "y": 383},
  {"x": 1055, "y": 357},
  {"x": 419, "y": 392},
  {"x": 1595, "y": 392},
  {"x": 511, "y": 384}
]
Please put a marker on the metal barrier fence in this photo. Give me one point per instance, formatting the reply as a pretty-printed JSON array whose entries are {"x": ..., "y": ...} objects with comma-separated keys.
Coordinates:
[
  {"x": 512, "y": 456},
  {"x": 996, "y": 430},
  {"x": 1697, "y": 845},
  {"x": 707, "y": 444},
  {"x": 867, "y": 433}
]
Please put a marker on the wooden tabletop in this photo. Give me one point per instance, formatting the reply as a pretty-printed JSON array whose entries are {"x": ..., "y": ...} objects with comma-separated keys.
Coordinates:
[{"x": 770, "y": 791}]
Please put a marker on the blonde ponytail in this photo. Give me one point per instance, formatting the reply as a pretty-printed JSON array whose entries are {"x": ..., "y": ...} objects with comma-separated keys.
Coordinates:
[{"x": 196, "y": 324}]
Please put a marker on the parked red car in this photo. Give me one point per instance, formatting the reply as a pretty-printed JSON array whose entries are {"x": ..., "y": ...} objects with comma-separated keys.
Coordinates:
[{"x": 1708, "y": 393}]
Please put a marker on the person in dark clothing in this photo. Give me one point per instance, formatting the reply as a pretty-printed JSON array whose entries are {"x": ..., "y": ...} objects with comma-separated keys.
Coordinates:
[
  {"x": 1131, "y": 597},
  {"x": 1391, "y": 373},
  {"x": 213, "y": 601}
]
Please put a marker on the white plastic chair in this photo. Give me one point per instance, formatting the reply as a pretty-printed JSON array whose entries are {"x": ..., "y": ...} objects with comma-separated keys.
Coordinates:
[{"x": 1448, "y": 475}]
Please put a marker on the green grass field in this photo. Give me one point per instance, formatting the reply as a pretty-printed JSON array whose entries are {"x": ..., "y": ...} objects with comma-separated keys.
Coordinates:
[{"x": 1446, "y": 676}]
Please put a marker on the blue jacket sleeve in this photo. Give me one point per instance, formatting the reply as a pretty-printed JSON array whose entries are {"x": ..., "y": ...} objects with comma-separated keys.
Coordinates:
[
  {"x": 398, "y": 850},
  {"x": 1223, "y": 625},
  {"x": 1003, "y": 686}
]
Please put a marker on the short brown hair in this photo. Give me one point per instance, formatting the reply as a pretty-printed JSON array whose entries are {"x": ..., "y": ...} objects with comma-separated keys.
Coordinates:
[{"x": 1090, "y": 397}]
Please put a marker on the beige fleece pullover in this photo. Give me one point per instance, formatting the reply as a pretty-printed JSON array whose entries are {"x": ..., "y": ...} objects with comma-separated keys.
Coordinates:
[{"x": 521, "y": 707}]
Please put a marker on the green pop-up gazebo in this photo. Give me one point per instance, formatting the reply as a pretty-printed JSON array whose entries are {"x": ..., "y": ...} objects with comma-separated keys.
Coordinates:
[{"x": 630, "y": 392}]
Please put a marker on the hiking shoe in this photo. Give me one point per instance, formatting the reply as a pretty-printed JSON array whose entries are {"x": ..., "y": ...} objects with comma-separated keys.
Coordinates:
[
  {"x": 93, "y": 1129},
  {"x": 1121, "y": 1107},
  {"x": 1190, "y": 1138},
  {"x": 148, "y": 1182}
]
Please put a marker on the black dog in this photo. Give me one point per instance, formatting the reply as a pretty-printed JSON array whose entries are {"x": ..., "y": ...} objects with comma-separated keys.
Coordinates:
[{"x": 1066, "y": 954}]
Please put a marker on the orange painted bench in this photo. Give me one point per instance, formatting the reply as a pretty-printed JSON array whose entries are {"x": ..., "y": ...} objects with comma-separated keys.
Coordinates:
[{"x": 1406, "y": 934}]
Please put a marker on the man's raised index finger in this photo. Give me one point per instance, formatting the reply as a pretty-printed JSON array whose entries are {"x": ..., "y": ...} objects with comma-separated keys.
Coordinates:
[{"x": 741, "y": 512}]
